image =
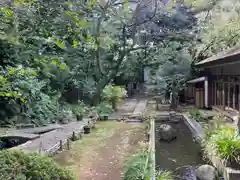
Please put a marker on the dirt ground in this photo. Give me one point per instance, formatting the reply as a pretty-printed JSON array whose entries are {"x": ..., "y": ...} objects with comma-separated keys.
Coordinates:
[{"x": 100, "y": 155}]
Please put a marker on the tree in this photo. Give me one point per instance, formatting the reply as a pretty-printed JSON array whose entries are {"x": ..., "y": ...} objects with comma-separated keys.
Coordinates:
[
  {"x": 218, "y": 29},
  {"x": 68, "y": 45}
]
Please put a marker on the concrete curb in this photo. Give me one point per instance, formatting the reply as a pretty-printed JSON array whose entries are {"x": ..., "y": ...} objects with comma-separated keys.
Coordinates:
[{"x": 198, "y": 132}]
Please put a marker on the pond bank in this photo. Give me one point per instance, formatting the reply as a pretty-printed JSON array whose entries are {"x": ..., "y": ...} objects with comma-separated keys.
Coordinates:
[{"x": 198, "y": 131}]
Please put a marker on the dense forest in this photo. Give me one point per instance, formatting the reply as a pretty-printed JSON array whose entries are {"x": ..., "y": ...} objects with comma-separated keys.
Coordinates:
[{"x": 57, "y": 56}]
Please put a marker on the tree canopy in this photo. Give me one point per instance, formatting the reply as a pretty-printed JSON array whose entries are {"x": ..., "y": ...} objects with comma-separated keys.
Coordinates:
[{"x": 58, "y": 52}]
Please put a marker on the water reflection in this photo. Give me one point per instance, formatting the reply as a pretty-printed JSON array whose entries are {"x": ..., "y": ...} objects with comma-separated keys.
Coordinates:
[{"x": 181, "y": 156}]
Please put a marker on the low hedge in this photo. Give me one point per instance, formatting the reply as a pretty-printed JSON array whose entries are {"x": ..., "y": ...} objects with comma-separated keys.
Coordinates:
[{"x": 17, "y": 165}]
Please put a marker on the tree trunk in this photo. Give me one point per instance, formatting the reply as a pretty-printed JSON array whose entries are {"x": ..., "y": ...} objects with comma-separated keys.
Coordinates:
[
  {"x": 174, "y": 98},
  {"x": 96, "y": 99}
]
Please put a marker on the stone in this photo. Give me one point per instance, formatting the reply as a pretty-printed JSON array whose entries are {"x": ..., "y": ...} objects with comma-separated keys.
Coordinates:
[
  {"x": 64, "y": 121},
  {"x": 173, "y": 117},
  {"x": 206, "y": 172},
  {"x": 166, "y": 132},
  {"x": 157, "y": 99}
]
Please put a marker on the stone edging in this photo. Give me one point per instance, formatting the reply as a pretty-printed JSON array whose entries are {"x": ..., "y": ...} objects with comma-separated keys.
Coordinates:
[{"x": 197, "y": 131}]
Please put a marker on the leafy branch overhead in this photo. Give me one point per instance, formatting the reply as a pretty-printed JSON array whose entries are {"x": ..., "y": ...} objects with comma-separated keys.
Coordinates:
[{"x": 73, "y": 50}]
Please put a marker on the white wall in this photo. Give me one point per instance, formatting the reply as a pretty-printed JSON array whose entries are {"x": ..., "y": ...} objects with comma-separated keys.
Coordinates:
[{"x": 147, "y": 74}]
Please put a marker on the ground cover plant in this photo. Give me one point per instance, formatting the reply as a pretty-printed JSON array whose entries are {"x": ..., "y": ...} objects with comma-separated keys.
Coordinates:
[
  {"x": 224, "y": 141},
  {"x": 17, "y": 165}
]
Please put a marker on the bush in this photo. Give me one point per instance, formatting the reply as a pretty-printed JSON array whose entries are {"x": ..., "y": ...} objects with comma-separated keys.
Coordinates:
[
  {"x": 113, "y": 92},
  {"x": 135, "y": 169},
  {"x": 79, "y": 109},
  {"x": 103, "y": 108},
  {"x": 164, "y": 175},
  {"x": 17, "y": 165},
  {"x": 195, "y": 114},
  {"x": 225, "y": 142}
]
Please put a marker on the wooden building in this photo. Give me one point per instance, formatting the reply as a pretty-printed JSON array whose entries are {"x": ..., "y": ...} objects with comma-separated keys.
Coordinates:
[{"x": 219, "y": 87}]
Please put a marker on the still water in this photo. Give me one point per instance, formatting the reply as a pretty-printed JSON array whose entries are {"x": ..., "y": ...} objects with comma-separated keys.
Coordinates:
[{"x": 181, "y": 156}]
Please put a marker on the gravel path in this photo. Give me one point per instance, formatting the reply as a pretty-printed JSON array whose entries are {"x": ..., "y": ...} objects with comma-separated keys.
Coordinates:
[{"x": 108, "y": 164}]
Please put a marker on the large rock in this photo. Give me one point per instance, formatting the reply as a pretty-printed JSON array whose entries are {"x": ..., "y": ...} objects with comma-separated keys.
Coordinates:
[
  {"x": 206, "y": 172},
  {"x": 166, "y": 132}
]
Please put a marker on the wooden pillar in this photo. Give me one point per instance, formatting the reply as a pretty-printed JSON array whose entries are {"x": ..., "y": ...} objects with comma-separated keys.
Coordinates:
[
  {"x": 206, "y": 88},
  {"x": 239, "y": 98},
  {"x": 212, "y": 93},
  {"x": 68, "y": 144},
  {"x": 228, "y": 97},
  {"x": 234, "y": 96},
  {"x": 215, "y": 95},
  {"x": 223, "y": 96},
  {"x": 60, "y": 145}
]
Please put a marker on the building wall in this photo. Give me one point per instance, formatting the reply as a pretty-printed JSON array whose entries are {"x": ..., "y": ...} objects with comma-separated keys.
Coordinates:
[
  {"x": 228, "y": 69},
  {"x": 232, "y": 70}
]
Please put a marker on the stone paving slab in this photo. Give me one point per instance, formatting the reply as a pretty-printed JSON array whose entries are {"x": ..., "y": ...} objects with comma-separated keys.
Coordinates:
[
  {"x": 52, "y": 138},
  {"x": 141, "y": 106},
  {"x": 22, "y": 135},
  {"x": 124, "y": 110}
]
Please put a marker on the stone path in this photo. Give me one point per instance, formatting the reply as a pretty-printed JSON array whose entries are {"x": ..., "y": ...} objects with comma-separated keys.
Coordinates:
[
  {"x": 49, "y": 142},
  {"x": 140, "y": 108},
  {"x": 125, "y": 109}
]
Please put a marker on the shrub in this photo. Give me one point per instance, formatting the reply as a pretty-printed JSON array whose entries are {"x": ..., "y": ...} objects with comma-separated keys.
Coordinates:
[
  {"x": 113, "y": 92},
  {"x": 79, "y": 109},
  {"x": 103, "y": 108},
  {"x": 134, "y": 168},
  {"x": 164, "y": 175},
  {"x": 212, "y": 126},
  {"x": 225, "y": 142},
  {"x": 195, "y": 114},
  {"x": 17, "y": 165}
]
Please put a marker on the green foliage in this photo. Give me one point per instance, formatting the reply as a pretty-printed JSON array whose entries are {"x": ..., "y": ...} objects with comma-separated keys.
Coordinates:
[
  {"x": 173, "y": 64},
  {"x": 219, "y": 28},
  {"x": 84, "y": 46},
  {"x": 66, "y": 46},
  {"x": 79, "y": 109},
  {"x": 195, "y": 114},
  {"x": 18, "y": 165},
  {"x": 225, "y": 141},
  {"x": 210, "y": 128},
  {"x": 164, "y": 175},
  {"x": 134, "y": 168},
  {"x": 24, "y": 90},
  {"x": 104, "y": 108},
  {"x": 113, "y": 92}
]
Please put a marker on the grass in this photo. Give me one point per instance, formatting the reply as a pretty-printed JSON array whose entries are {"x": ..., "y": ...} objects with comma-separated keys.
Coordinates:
[
  {"x": 164, "y": 175},
  {"x": 135, "y": 169},
  {"x": 225, "y": 142},
  {"x": 195, "y": 114},
  {"x": 85, "y": 152}
]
